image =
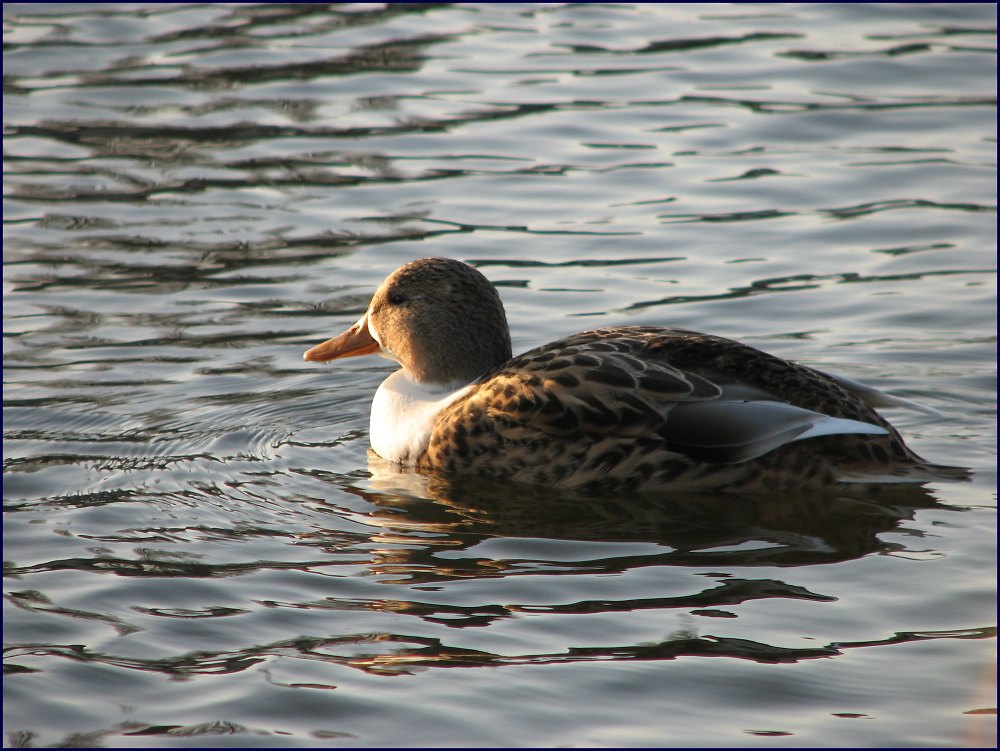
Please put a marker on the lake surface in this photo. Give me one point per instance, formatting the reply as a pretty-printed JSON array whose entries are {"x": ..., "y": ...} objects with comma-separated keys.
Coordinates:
[{"x": 200, "y": 552}]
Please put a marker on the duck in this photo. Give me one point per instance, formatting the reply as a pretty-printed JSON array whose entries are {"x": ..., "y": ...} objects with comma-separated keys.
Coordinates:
[{"x": 639, "y": 408}]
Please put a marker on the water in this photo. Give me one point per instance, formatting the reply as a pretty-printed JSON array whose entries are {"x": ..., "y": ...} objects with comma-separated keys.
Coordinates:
[{"x": 198, "y": 549}]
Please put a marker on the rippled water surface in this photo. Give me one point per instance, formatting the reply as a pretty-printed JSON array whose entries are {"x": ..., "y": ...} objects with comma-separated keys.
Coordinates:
[{"x": 198, "y": 549}]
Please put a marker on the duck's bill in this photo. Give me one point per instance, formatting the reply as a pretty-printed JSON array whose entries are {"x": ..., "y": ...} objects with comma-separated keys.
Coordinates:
[{"x": 354, "y": 342}]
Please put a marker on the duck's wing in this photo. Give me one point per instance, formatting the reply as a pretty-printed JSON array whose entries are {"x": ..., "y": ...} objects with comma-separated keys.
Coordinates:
[
  {"x": 735, "y": 431},
  {"x": 621, "y": 383}
]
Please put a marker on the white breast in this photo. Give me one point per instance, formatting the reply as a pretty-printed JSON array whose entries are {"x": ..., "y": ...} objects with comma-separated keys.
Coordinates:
[{"x": 403, "y": 414}]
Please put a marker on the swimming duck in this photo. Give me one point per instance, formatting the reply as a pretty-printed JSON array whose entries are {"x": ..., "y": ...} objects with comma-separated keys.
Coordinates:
[{"x": 636, "y": 407}]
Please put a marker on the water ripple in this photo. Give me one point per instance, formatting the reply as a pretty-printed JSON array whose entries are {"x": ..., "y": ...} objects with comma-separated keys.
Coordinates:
[{"x": 194, "y": 524}]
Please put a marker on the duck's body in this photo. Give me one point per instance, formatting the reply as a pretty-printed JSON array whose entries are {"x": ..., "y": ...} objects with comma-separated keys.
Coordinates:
[{"x": 643, "y": 408}]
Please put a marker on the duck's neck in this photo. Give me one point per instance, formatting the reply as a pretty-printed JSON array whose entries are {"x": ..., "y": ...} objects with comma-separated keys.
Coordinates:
[
  {"x": 403, "y": 413},
  {"x": 461, "y": 346}
]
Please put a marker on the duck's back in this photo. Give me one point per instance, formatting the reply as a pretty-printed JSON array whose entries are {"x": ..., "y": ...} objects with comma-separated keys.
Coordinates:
[{"x": 648, "y": 408}]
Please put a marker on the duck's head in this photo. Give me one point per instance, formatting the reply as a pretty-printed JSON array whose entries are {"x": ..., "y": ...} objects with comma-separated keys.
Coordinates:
[{"x": 439, "y": 318}]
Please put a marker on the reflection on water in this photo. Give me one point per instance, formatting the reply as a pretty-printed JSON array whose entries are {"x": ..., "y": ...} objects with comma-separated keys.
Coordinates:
[
  {"x": 198, "y": 548},
  {"x": 696, "y": 529},
  {"x": 436, "y": 538}
]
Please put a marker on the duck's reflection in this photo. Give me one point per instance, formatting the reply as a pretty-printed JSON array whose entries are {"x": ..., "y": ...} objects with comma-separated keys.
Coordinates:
[
  {"x": 429, "y": 512},
  {"x": 432, "y": 531}
]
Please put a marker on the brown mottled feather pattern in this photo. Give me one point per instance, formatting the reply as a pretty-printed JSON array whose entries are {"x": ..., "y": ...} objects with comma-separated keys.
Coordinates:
[
  {"x": 547, "y": 413},
  {"x": 631, "y": 407}
]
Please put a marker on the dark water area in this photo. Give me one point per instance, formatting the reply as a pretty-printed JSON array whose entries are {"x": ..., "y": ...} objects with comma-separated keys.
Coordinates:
[{"x": 199, "y": 549}]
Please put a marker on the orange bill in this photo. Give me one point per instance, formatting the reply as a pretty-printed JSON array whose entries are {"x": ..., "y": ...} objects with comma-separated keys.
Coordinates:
[{"x": 354, "y": 342}]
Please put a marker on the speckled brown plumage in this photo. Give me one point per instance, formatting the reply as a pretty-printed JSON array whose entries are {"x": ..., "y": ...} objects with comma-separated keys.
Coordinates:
[{"x": 533, "y": 412}]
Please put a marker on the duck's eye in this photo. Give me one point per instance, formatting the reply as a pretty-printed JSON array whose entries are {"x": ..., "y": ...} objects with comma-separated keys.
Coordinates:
[{"x": 396, "y": 298}]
